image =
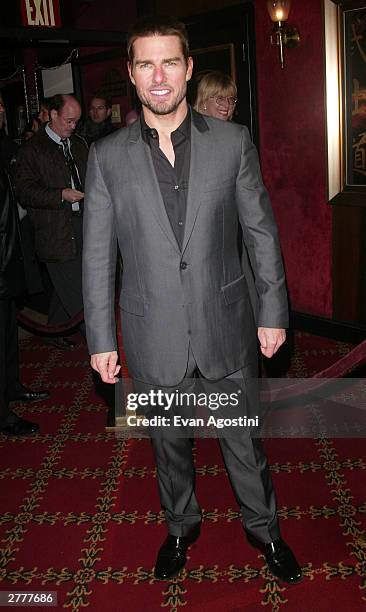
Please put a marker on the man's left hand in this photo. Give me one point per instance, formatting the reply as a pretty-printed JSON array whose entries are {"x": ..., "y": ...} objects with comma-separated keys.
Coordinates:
[{"x": 270, "y": 339}]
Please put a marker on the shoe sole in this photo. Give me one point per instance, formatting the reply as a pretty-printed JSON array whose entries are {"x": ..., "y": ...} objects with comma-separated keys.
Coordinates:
[{"x": 289, "y": 582}]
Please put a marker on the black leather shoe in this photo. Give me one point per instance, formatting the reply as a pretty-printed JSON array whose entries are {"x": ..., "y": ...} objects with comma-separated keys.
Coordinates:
[
  {"x": 172, "y": 555},
  {"x": 64, "y": 344},
  {"x": 20, "y": 427},
  {"x": 22, "y": 394},
  {"x": 282, "y": 562}
]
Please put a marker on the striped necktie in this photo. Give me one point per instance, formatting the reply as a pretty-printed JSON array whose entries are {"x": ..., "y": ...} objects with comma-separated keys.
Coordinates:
[{"x": 71, "y": 164}]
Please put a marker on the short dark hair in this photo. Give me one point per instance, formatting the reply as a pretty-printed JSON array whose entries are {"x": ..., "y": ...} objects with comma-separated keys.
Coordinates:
[
  {"x": 101, "y": 96},
  {"x": 158, "y": 26},
  {"x": 58, "y": 101}
]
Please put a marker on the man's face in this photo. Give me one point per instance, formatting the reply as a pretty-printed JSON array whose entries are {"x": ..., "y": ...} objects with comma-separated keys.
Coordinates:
[
  {"x": 98, "y": 110},
  {"x": 65, "y": 120},
  {"x": 160, "y": 73}
]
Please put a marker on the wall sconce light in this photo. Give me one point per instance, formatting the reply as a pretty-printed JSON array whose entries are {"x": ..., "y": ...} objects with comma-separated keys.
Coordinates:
[{"x": 282, "y": 35}]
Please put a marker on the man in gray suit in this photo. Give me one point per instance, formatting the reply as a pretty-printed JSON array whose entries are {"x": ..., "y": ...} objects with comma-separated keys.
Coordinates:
[{"x": 171, "y": 189}]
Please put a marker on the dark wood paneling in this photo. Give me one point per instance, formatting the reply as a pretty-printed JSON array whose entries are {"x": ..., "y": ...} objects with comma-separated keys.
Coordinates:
[
  {"x": 348, "y": 261},
  {"x": 234, "y": 25}
]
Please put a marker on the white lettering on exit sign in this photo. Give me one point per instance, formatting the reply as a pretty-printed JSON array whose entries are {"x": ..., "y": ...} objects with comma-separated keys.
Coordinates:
[{"x": 41, "y": 13}]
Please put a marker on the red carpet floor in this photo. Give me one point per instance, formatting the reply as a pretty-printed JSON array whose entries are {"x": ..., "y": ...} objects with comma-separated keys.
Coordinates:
[{"x": 80, "y": 514}]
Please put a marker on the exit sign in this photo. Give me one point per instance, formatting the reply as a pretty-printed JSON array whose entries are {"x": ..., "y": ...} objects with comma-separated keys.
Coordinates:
[{"x": 40, "y": 13}]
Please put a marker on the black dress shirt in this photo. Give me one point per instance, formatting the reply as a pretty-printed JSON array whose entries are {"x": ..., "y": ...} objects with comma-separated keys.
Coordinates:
[{"x": 173, "y": 181}]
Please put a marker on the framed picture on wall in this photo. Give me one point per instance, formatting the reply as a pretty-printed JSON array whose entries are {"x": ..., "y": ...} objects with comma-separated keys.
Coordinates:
[{"x": 345, "y": 51}]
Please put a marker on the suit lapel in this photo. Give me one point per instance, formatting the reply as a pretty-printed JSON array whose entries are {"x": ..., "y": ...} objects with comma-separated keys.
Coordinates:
[
  {"x": 143, "y": 166},
  {"x": 200, "y": 162}
]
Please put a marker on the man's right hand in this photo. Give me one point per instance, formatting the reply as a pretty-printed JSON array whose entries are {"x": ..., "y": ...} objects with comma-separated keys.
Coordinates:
[
  {"x": 106, "y": 365},
  {"x": 72, "y": 195}
]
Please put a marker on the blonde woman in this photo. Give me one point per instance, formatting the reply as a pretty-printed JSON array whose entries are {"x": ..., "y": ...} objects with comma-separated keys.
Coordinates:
[{"x": 216, "y": 95}]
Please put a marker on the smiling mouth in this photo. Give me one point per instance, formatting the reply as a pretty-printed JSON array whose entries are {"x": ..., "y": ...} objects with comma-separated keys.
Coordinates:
[{"x": 160, "y": 92}]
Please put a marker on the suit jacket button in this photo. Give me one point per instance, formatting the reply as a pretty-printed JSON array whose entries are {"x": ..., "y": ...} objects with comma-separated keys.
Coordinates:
[{"x": 183, "y": 265}]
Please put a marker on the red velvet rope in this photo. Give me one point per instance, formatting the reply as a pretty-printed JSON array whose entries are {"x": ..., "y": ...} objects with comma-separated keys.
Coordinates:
[
  {"x": 346, "y": 364},
  {"x": 49, "y": 330}
]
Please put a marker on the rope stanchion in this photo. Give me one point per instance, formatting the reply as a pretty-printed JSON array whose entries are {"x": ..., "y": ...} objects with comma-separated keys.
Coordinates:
[
  {"x": 49, "y": 330},
  {"x": 345, "y": 365}
]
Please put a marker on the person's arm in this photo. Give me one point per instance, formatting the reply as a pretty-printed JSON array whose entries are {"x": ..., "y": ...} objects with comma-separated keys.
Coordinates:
[
  {"x": 31, "y": 189},
  {"x": 260, "y": 230},
  {"x": 99, "y": 265}
]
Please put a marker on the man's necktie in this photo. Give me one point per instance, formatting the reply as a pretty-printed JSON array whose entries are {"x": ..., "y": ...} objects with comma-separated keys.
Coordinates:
[{"x": 71, "y": 164}]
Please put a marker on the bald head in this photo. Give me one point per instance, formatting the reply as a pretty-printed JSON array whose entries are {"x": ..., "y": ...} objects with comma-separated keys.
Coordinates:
[{"x": 65, "y": 112}]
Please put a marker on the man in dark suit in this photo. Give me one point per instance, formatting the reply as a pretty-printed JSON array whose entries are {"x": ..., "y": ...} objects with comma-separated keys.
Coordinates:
[
  {"x": 172, "y": 189},
  {"x": 49, "y": 179},
  {"x": 11, "y": 286}
]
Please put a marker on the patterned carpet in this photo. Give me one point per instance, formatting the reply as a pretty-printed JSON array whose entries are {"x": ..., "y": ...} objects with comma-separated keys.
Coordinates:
[{"x": 80, "y": 514}]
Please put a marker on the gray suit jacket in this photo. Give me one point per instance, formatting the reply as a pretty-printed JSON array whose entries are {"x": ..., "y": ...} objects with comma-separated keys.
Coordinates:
[{"x": 171, "y": 298}]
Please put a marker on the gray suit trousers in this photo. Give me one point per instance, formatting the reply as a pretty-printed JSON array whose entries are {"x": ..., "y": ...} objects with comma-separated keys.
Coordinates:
[{"x": 244, "y": 459}]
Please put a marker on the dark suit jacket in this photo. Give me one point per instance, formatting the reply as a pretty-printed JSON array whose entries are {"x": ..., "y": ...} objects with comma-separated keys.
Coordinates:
[
  {"x": 41, "y": 173},
  {"x": 172, "y": 297},
  {"x": 11, "y": 256}
]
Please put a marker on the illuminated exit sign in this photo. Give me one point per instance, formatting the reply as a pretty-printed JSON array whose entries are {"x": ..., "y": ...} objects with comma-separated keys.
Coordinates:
[{"x": 40, "y": 13}]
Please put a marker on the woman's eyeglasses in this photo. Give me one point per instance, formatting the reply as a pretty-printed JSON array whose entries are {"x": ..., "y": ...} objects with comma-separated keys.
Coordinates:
[{"x": 220, "y": 100}]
